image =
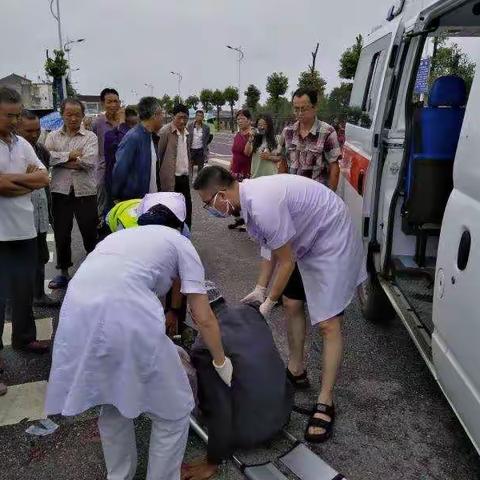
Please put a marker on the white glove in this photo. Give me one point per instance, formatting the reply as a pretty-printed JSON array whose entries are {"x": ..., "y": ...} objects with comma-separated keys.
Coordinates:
[
  {"x": 225, "y": 371},
  {"x": 266, "y": 307},
  {"x": 258, "y": 295}
]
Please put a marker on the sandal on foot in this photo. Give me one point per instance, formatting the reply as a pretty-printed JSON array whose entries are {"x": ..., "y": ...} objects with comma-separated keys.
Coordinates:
[
  {"x": 300, "y": 382},
  {"x": 314, "y": 422},
  {"x": 60, "y": 281}
]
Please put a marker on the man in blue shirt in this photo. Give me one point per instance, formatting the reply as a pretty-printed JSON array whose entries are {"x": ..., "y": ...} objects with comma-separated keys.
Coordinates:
[{"x": 136, "y": 169}]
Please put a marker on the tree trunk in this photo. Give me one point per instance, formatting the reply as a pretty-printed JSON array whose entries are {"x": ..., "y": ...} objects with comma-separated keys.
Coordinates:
[
  {"x": 218, "y": 118},
  {"x": 232, "y": 120}
]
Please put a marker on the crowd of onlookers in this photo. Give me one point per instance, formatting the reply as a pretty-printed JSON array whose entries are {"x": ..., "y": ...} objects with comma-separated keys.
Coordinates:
[{"x": 82, "y": 170}]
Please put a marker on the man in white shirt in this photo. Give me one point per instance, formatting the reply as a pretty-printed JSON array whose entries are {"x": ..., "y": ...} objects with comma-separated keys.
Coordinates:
[
  {"x": 21, "y": 172},
  {"x": 174, "y": 157}
]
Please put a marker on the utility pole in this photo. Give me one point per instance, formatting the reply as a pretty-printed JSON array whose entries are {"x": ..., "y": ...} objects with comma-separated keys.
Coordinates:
[
  {"x": 241, "y": 56},
  {"x": 57, "y": 17}
]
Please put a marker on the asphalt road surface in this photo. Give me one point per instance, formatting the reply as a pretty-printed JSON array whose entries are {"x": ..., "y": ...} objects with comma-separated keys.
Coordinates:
[{"x": 393, "y": 421}]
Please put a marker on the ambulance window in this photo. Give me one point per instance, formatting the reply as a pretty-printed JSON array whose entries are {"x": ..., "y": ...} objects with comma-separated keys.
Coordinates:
[
  {"x": 367, "y": 97},
  {"x": 368, "y": 79}
]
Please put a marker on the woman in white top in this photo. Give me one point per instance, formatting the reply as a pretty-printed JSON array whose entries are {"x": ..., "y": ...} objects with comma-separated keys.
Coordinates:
[{"x": 111, "y": 349}]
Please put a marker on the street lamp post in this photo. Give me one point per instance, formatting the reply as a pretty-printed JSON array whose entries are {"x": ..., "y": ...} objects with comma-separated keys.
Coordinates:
[
  {"x": 68, "y": 49},
  {"x": 179, "y": 87},
  {"x": 56, "y": 16},
  {"x": 241, "y": 56},
  {"x": 150, "y": 86}
]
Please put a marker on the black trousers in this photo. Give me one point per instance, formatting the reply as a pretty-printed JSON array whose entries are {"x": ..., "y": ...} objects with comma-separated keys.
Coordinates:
[
  {"x": 182, "y": 185},
  {"x": 198, "y": 158},
  {"x": 18, "y": 260},
  {"x": 43, "y": 255},
  {"x": 64, "y": 208}
]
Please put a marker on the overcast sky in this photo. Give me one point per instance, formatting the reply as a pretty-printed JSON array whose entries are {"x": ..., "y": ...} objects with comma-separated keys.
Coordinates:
[{"x": 133, "y": 42}]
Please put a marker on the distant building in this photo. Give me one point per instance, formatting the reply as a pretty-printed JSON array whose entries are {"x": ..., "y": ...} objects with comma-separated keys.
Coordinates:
[
  {"x": 35, "y": 96},
  {"x": 93, "y": 105}
]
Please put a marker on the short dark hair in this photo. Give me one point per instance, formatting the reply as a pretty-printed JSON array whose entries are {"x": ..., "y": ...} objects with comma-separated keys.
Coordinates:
[
  {"x": 107, "y": 91},
  {"x": 311, "y": 94},
  {"x": 131, "y": 112},
  {"x": 28, "y": 115},
  {"x": 71, "y": 101},
  {"x": 180, "y": 108},
  {"x": 245, "y": 112},
  {"x": 213, "y": 177},
  {"x": 147, "y": 106},
  {"x": 199, "y": 111},
  {"x": 9, "y": 95}
]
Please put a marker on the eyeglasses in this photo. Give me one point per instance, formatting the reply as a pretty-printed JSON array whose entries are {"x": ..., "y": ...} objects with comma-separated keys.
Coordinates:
[
  {"x": 208, "y": 203},
  {"x": 301, "y": 109}
]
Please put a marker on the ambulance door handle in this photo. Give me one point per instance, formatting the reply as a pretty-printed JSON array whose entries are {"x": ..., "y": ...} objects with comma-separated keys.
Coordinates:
[
  {"x": 464, "y": 250},
  {"x": 361, "y": 177}
]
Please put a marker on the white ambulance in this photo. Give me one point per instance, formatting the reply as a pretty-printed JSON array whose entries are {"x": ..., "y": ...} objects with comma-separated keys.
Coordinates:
[{"x": 411, "y": 177}]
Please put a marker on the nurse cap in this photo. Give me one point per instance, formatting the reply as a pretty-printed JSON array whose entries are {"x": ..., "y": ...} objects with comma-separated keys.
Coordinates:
[{"x": 173, "y": 201}]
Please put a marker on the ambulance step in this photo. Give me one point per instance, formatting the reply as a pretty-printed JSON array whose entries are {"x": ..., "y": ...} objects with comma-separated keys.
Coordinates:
[
  {"x": 267, "y": 471},
  {"x": 410, "y": 319}
]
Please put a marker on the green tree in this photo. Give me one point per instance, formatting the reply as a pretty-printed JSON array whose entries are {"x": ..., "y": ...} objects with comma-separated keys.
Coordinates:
[
  {"x": 349, "y": 59},
  {"x": 192, "y": 102},
  {"x": 277, "y": 86},
  {"x": 206, "y": 99},
  {"x": 218, "y": 100},
  {"x": 252, "y": 96},
  {"x": 56, "y": 68},
  {"x": 339, "y": 97},
  {"x": 167, "y": 103},
  {"x": 177, "y": 100},
  {"x": 449, "y": 59},
  {"x": 313, "y": 81},
  {"x": 231, "y": 96}
]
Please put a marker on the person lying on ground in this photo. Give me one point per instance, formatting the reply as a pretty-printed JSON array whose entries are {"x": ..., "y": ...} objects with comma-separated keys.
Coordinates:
[{"x": 260, "y": 389}]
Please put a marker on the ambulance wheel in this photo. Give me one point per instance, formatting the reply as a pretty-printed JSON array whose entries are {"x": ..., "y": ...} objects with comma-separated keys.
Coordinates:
[{"x": 374, "y": 302}]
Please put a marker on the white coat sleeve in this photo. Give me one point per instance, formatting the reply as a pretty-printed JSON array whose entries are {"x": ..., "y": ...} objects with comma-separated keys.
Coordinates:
[{"x": 190, "y": 268}]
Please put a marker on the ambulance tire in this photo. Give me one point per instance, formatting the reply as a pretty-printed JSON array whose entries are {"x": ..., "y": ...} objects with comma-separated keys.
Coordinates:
[{"x": 374, "y": 303}]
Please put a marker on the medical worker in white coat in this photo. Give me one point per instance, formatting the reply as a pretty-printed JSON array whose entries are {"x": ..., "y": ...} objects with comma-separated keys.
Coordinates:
[
  {"x": 111, "y": 349},
  {"x": 303, "y": 222}
]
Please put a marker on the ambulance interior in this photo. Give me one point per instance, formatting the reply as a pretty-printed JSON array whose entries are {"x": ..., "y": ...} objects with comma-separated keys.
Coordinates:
[{"x": 433, "y": 122}]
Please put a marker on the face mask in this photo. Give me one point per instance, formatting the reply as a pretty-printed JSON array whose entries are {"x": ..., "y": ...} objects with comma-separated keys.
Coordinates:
[
  {"x": 215, "y": 213},
  {"x": 261, "y": 131}
]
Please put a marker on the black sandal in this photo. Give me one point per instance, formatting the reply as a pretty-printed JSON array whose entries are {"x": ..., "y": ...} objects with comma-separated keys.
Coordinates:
[
  {"x": 300, "y": 382},
  {"x": 315, "y": 422},
  {"x": 237, "y": 223}
]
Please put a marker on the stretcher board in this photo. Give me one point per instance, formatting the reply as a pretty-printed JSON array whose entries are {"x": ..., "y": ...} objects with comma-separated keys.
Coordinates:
[
  {"x": 268, "y": 471},
  {"x": 300, "y": 460},
  {"x": 306, "y": 465}
]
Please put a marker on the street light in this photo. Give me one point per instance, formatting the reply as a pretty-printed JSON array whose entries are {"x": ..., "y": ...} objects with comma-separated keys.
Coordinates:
[
  {"x": 241, "y": 56},
  {"x": 56, "y": 16},
  {"x": 150, "y": 86},
  {"x": 67, "y": 49},
  {"x": 180, "y": 78}
]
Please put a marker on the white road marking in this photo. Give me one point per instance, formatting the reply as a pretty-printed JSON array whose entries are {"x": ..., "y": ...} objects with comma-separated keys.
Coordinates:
[
  {"x": 50, "y": 237},
  {"x": 50, "y": 258},
  {"x": 219, "y": 161},
  {"x": 44, "y": 330},
  {"x": 23, "y": 401}
]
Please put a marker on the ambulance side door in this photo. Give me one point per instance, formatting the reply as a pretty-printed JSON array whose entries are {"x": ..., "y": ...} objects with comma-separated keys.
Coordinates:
[{"x": 456, "y": 308}]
